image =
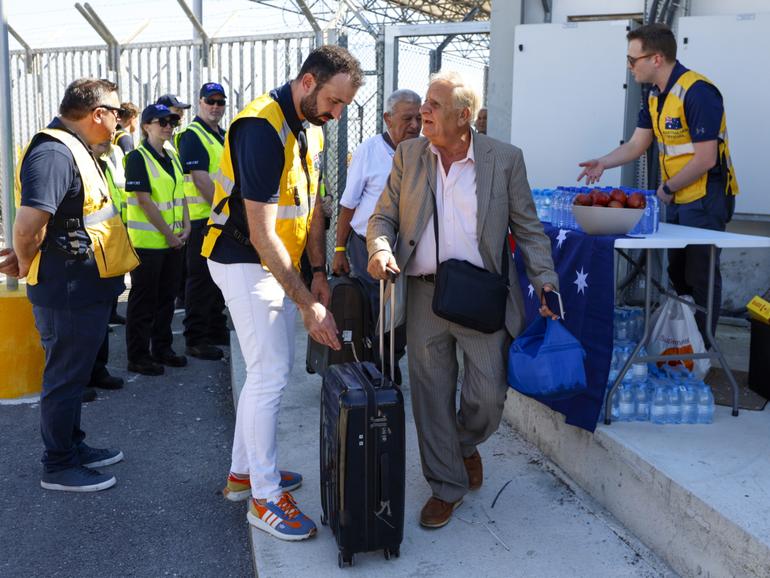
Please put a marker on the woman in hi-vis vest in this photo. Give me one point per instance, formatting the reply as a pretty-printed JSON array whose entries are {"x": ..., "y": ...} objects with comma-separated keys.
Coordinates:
[{"x": 159, "y": 224}]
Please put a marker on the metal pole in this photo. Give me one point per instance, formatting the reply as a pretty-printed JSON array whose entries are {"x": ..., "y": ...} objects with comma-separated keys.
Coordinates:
[
  {"x": 6, "y": 142},
  {"x": 196, "y": 57}
]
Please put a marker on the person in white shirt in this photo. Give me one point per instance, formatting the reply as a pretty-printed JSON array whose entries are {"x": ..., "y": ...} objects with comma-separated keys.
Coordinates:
[{"x": 368, "y": 172}]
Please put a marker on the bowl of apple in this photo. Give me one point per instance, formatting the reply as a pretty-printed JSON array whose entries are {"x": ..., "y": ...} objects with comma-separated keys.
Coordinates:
[{"x": 608, "y": 213}]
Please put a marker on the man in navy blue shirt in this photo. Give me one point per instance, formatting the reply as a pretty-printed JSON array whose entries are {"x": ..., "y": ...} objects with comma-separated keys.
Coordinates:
[
  {"x": 200, "y": 149},
  {"x": 685, "y": 113},
  {"x": 71, "y": 302}
]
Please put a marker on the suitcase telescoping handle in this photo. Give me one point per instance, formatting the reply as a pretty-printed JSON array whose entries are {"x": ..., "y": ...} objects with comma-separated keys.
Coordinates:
[{"x": 392, "y": 281}]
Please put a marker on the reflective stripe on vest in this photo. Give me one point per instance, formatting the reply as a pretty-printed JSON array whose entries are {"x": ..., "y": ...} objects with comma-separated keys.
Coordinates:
[
  {"x": 198, "y": 207},
  {"x": 168, "y": 195},
  {"x": 675, "y": 145},
  {"x": 296, "y": 195},
  {"x": 112, "y": 250}
]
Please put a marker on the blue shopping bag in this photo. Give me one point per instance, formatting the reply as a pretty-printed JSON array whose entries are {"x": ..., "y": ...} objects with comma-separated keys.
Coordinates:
[{"x": 546, "y": 362}]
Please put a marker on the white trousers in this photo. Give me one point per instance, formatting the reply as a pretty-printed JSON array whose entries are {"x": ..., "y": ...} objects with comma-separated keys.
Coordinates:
[{"x": 264, "y": 319}]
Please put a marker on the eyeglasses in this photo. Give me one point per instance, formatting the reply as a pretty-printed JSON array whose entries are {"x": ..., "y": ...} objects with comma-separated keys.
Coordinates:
[
  {"x": 164, "y": 122},
  {"x": 632, "y": 60},
  {"x": 116, "y": 110},
  {"x": 215, "y": 101}
]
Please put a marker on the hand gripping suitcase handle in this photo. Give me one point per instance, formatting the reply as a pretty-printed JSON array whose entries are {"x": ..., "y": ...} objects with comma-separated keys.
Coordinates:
[{"x": 392, "y": 281}]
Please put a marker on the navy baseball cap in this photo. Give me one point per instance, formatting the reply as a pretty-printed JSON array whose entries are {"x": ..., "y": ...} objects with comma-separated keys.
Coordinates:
[
  {"x": 169, "y": 100},
  {"x": 154, "y": 111},
  {"x": 211, "y": 88}
]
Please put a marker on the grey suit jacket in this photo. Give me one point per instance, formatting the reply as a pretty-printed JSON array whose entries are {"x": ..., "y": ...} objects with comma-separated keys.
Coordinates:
[{"x": 405, "y": 208}]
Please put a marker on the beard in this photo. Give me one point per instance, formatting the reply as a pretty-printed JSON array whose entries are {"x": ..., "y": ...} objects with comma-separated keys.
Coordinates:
[{"x": 308, "y": 106}]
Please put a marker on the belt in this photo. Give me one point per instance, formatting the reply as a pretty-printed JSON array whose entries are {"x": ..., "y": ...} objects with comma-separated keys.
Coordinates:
[{"x": 431, "y": 278}]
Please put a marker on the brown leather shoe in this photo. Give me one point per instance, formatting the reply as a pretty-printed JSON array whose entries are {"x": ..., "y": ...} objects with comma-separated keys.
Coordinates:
[
  {"x": 436, "y": 512},
  {"x": 475, "y": 470}
]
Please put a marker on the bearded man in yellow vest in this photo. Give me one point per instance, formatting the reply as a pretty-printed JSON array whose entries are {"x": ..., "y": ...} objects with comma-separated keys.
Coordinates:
[
  {"x": 74, "y": 250},
  {"x": 686, "y": 115},
  {"x": 266, "y": 210},
  {"x": 200, "y": 147}
]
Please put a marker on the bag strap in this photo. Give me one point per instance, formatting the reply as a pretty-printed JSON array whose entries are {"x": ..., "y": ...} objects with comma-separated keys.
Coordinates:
[{"x": 505, "y": 265}]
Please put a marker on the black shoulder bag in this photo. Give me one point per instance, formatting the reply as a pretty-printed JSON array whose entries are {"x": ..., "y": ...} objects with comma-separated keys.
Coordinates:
[{"x": 469, "y": 295}]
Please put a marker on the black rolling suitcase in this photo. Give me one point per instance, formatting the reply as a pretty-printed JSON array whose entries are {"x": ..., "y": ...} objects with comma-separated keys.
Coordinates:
[
  {"x": 352, "y": 312},
  {"x": 363, "y": 457}
]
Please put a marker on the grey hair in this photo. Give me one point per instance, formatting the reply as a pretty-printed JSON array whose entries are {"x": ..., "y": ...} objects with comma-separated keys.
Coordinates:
[
  {"x": 401, "y": 95},
  {"x": 464, "y": 94}
]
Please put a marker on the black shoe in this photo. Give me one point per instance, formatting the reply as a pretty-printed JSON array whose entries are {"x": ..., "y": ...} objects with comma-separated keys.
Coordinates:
[
  {"x": 170, "y": 358},
  {"x": 88, "y": 395},
  {"x": 146, "y": 367},
  {"x": 108, "y": 382},
  {"x": 117, "y": 319},
  {"x": 208, "y": 352}
]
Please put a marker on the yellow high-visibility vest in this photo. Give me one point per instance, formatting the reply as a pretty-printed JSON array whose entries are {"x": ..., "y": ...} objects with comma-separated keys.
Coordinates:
[
  {"x": 198, "y": 207},
  {"x": 113, "y": 253},
  {"x": 675, "y": 146},
  {"x": 167, "y": 193},
  {"x": 296, "y": 190}
]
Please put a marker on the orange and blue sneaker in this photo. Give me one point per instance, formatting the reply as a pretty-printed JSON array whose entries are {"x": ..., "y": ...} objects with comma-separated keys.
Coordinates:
[
  {"x": 281, "y": 518},
  {"x": 239, "y": 486}
]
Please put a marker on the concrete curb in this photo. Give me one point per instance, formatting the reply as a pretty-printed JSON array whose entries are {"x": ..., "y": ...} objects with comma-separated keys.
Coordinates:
[{"x": 613, "y": 466}]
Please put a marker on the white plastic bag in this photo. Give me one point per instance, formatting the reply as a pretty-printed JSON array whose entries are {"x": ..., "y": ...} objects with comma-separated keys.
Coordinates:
[{"x": 674, "y": 331}]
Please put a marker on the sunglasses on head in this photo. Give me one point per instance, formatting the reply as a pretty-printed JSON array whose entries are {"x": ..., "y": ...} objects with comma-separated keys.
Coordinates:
[
  {"x": 164, "y": 122},
  {"x": 215, "y": 101}
]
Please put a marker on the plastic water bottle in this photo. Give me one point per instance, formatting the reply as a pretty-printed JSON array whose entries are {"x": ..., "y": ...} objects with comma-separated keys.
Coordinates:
[
  {"x": 627, "y": 402},
  {"x": 659, "y": 402},
  {"x": 547, "y": 200},
  {"x": 689, "y": 404},
  {"x": 705, "y": 403},
  {"x": 639, "y": 369},
  {"x": 674, "y": 403},
  {"x": 556, "y": 208},
  {"x": 652, "y": 200},
  {"x": 642, "y": 396}
]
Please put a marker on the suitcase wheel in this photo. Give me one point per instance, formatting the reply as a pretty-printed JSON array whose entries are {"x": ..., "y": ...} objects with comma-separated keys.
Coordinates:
[
  {"x": 392, "y": 552},
  {"x": 309, "y": 368},
  {"x": 344, "y": 559}
]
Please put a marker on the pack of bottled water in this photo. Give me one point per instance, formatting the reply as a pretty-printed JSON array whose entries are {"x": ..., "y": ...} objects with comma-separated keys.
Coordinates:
[
  {"x": 628, "y": 324},
  {"x": 664, "y": 397}
]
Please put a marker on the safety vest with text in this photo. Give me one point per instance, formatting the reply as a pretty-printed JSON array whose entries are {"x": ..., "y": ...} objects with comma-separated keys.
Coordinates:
[
  {"x": 198, "y": 207},
  {"x": 167, "y": 193},
  {"x": 297, "y": 187},
  {"x": 112, "y": 250},
  {"x": 675, "y": 146}
]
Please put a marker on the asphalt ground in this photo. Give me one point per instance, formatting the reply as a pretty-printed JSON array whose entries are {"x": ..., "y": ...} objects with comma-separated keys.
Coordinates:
[{"x": 166, "y": 515}]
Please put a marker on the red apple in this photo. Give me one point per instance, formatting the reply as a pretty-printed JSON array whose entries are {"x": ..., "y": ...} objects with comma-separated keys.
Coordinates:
[
  {"x": 600, "y": 198},
  {"x": 583, "y": 200},
  {"x": 619, "y": 196},
  {"x": 616, "y": 204},
  {"x": 636, "y": 201}
]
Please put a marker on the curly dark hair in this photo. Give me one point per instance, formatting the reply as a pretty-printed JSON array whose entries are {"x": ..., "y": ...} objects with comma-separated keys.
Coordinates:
[{"x": 328, "y": 61}]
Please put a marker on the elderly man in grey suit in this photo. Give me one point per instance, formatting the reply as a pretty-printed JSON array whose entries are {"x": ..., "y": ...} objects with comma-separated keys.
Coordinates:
[{"x": 480, "y": 188}]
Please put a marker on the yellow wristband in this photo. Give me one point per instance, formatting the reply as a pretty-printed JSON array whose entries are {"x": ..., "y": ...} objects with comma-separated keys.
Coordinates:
[{"x": 339, "y": 249}]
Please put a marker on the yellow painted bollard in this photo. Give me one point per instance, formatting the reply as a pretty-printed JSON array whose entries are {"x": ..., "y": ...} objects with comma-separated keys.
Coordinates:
[{"x": 21, "y": 355}]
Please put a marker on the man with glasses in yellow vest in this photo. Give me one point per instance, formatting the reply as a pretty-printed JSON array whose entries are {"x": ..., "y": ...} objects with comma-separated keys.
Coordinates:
[
  {"x": 266, "y": 210},
  {"x": 686, "y": 115},
  {"x": 74, "y": 250},
  {"x": 200, "y": 147}
]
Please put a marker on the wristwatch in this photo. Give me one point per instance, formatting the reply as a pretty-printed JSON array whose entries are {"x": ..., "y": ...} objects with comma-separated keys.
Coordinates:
[
  {"x": 666, "y": 189},
  {"x": 320, "y": 269}
]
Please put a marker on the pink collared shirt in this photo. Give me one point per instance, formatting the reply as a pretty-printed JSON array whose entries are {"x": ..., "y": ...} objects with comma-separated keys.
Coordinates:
[{"x": 457, "y": 207}]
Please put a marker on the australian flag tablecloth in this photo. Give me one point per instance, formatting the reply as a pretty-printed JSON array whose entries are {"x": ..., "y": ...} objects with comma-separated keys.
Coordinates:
[{"x": 584, "y": 264}]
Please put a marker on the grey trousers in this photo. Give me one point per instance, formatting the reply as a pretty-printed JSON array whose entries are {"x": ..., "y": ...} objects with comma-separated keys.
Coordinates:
[{"x": 446, "y": 435}]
